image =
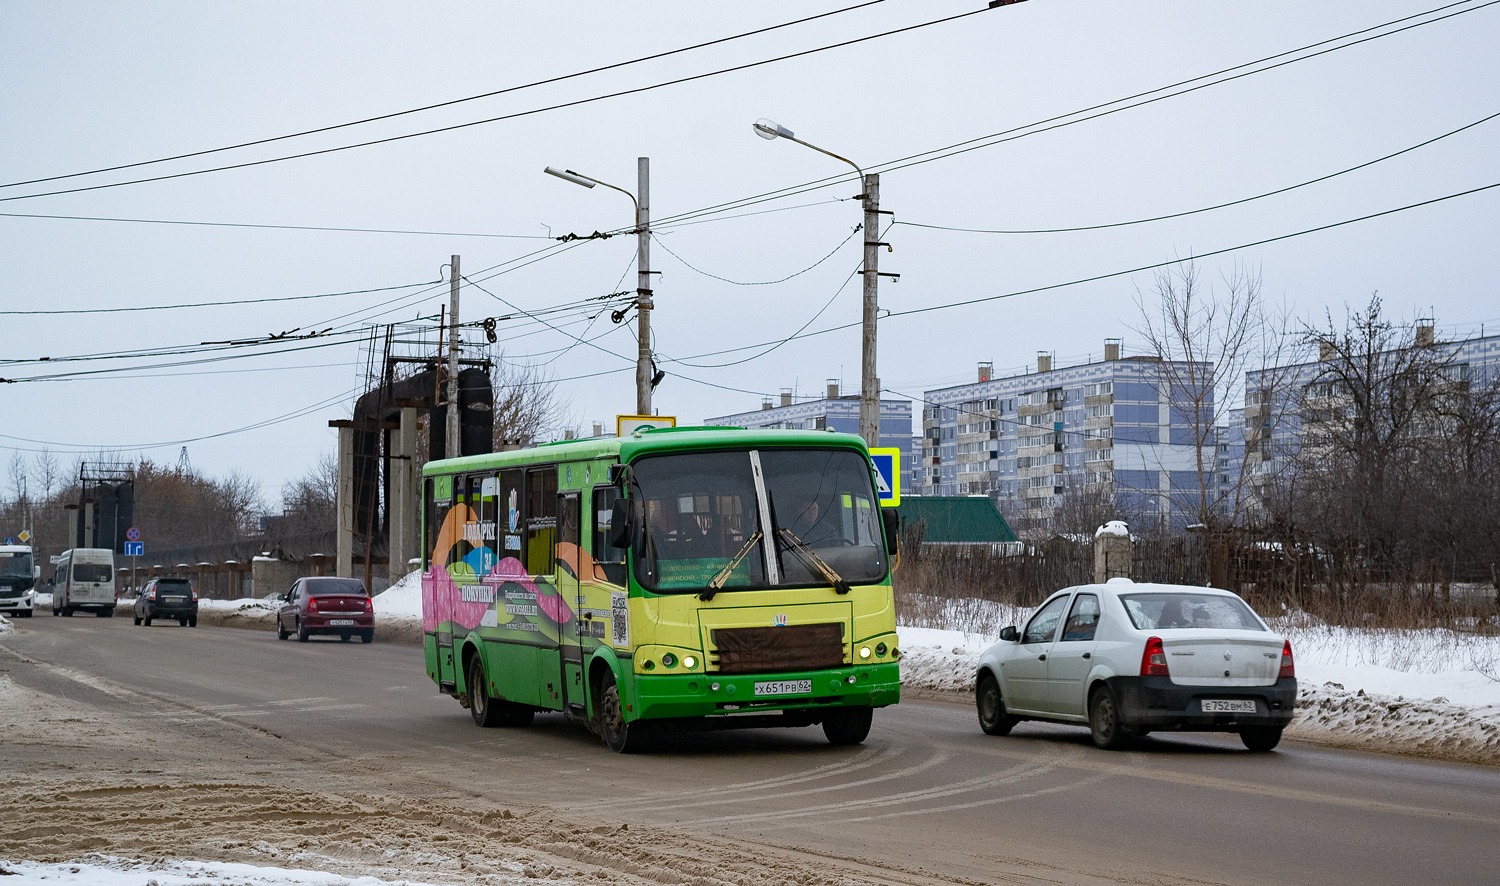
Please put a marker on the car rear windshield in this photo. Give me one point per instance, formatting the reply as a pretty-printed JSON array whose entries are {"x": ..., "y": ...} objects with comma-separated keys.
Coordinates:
[
  {"x": 92, "y": 572},
  {"x": 336, "y": 587},
  {"x": 172, "y": 585},
  {"x": 1165, "y": 612}
]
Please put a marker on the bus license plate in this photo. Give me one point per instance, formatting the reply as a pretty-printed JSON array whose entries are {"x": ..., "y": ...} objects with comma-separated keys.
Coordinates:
[
  {"x": 783, "y": 687},
  {"x": 340, "y": 622},
  {"x": 1226, "y": 706}
]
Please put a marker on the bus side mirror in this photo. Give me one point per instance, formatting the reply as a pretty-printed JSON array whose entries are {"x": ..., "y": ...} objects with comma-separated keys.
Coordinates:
[
  {"x": 892, "y": 525},
  {"x": 621, "y": 533},
  {"x": 1009, "y": 634}
]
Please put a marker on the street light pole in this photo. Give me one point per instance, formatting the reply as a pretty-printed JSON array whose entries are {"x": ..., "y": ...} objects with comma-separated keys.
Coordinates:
[
  {"x": 645, "y": 379},
  {"x": 869, "y": 383}
]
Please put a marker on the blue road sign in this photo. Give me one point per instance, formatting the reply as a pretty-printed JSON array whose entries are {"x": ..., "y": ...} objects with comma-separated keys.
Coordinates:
[
  {"x": 888, "y": 475},
  {"x": 135, "y": 549},
  {"x": 10, "y": 541}
]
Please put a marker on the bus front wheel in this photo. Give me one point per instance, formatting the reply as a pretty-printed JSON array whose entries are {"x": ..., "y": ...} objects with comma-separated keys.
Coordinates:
[
  {"x": 847, "y": 725},
  {"x": 621, "y": 737}
]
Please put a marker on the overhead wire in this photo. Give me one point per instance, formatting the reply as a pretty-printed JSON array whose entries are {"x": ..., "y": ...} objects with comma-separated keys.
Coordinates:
[
  {"x": 215, "y": 304},
  {"x": 810, "y": 267},
  {"x": 1127, "y": 102},
  {"x": 208, "y": 224},
  {"x": 512, "y": 116},
  {"x": 450, "y": 102},
  {"x": 1141, "y": 221}
]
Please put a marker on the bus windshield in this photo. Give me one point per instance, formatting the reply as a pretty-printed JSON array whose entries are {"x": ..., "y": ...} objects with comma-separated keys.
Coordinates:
[
  {"x": 14, "y": 565},
  {"x": 704, "y": 528}
]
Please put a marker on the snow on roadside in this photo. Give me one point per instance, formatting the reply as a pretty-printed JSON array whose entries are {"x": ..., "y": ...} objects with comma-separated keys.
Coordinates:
[
  {"x": 103, "y": 870},
  {"x": 404, "y": 598},
  {"x": 5, "y": 626}
]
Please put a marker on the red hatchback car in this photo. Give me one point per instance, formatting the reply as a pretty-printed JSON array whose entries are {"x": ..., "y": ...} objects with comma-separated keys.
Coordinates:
[{"x": 326, "y": 605}]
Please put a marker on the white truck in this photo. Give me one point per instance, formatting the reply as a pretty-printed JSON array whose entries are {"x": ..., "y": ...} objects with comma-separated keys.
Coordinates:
[
  {"x": 18, "y": 575},
  {"x": 85, "y": 580}
]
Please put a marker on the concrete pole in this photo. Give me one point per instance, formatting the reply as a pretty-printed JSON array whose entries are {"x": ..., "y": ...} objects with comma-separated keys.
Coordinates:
[
  {"x": 403, "y": 540},
  {"x": 644, "y": 304},
  {"x": 452, "y": 441},
  {"x": 869, "y": 383},
  {"x": 345, "y": 503}
]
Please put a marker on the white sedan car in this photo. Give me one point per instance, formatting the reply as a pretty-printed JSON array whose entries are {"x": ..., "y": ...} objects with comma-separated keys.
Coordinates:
[{"x": 1127, "y": 659}]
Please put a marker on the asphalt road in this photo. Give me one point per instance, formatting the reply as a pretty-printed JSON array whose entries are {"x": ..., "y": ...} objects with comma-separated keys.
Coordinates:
[{"x": 928, "y": 793}]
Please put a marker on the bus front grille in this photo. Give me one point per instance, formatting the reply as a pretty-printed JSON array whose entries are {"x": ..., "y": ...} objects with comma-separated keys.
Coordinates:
[{"x": 775, "y": 650}]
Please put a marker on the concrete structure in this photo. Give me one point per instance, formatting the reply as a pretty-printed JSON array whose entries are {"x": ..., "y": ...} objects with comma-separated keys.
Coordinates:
[
  {"x": 1110, "y": 427},
  {"x": 832, "y": 411}
]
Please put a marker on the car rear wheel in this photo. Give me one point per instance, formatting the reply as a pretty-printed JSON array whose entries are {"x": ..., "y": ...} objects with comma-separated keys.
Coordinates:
[
  {"x": 1261, "y": 738},
  {"x": 345, "y": 636},
  {"x": 845, "y": 726},
  {"x": 182, "y": 622},
  {"x": 137, "y": 619},
  {"x": 302, "y": 633},
  {"x": 993, "y": 718},
  {"x": 68, "y": 612},
  {"x": 1104, "y": 721},
  {"x": 192, "y": 621},
  {"x": 147, "y": 621},
  {"x": 367, "y": 636}
]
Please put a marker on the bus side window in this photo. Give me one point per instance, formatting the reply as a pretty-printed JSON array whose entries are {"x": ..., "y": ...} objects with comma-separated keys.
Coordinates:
[
  {"x": 436, "y": 511},
  {"x": 541, "y": 519},
  {"x": 609, "y": 561}
]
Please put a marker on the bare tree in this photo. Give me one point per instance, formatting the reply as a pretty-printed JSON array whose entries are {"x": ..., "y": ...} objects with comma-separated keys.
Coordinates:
[{"x": 528, "y": 407}]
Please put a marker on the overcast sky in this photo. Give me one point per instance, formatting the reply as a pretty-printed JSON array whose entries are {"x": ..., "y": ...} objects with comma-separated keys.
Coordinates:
[{"x": 91, "y": 85}]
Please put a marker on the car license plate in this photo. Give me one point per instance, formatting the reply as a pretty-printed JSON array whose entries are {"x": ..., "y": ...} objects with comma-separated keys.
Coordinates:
[
  {"x": 341, "y": 622},
  {"x": 173, "y": 599},
  {"x": 1227, "y": 706},
  {"x": 783, "y": 687}
]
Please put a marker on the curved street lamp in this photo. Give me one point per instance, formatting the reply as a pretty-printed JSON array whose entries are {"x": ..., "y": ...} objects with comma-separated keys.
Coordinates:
[{"x": 869, "y": 384}]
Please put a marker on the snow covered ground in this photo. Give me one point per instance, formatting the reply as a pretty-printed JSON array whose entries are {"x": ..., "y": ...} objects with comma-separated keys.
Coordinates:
[{"x": 108, "y": 871}]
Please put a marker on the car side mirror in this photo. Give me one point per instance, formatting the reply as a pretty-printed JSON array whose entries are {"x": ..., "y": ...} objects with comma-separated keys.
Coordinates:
[
  {"x": 891, "y": 521},
  {"x": 621, "y": 532},
  {"x": 1010, "y": 634}
]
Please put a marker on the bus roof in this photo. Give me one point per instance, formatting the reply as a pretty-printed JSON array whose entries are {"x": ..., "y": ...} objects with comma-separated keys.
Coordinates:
[
  {"x": 628, "y": 448},
  {"x": 15, "y": 549}
]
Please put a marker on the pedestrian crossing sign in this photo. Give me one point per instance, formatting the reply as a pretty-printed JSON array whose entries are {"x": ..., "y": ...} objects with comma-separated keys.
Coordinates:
[{"x": 887, "y": 461}]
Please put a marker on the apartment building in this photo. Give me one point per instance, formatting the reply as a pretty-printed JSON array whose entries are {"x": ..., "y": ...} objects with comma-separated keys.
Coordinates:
[
  {"x": 1027, "y": 441},
  {"x": 835, "y": 411},
  {"x": 1289, "y": 407}
]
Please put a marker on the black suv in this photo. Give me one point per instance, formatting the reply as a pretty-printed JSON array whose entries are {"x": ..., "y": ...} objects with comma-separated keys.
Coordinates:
[{"x": 167, "y": 598}]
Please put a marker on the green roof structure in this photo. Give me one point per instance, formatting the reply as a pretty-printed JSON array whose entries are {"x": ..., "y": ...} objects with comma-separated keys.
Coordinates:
[{"x": 956, "y": 519}]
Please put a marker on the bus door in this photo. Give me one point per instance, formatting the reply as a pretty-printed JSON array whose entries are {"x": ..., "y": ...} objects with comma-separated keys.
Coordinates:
[
  {"x": 439, "y": 501},
  {"x": 569, "y": 635}
]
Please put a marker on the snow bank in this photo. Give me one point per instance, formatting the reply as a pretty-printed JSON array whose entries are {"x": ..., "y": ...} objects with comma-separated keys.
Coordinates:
[
  {"x": 5, "y": 626},
  {"x": 404, "y": 598},
  {"x": 103, "y": 870}
]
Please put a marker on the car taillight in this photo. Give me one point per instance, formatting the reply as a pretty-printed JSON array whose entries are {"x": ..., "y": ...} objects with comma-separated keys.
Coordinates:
[
  {"x": 312, "y": 604},
  {"x": 194, "y": 591},
  {"x": 1288, "y": 669},
  {"x": 152, "y": 595},
  {"x": 1154, "y": 659},
  {"x": 369, "y": 605}
]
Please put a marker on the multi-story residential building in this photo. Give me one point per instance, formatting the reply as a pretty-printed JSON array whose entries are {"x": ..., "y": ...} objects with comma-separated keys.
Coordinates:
[
  {"x": 833, "y": 411},
  {"x": 1106, "y": 428},
  {"x": 1290, "y": 407}
]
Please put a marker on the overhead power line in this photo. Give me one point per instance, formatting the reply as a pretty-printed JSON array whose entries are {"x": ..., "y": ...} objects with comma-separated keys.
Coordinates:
[
  {"x": 215, "y": 304},
  {"x": 444, "y": 104},
  {"x": 1142, "y": 221},
  {"x": 512, "y": 116},
  {"x": 207, "y": 224},
  {"x": 1097, "y": 111}
]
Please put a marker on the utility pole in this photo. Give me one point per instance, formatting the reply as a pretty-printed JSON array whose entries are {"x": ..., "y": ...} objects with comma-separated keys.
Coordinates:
[
  {"x": 451, "y": 441},
  {"x": 869, "y": 385},
  {"x": 644, "y": 304}
]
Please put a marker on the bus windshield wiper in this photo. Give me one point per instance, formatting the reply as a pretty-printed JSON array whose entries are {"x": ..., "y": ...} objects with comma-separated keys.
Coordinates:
[
  {"x": 718, "y": 580},
  {"x": 811, "y": 557}
]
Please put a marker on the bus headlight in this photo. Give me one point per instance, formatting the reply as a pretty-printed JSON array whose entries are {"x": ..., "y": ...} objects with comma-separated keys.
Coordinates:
[
  {"x": 689, "y": 662},
  {"x": 864, "y": 652}
]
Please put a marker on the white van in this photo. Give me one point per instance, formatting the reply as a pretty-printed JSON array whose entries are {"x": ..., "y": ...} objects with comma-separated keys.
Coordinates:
[{"x": 85, "y": 579}]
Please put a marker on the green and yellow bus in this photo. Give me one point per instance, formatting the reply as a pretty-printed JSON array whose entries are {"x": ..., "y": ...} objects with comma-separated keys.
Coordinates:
[{"x": 678, "y": 578}]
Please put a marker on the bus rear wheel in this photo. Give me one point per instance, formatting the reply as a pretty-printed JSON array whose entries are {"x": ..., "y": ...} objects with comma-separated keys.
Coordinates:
[
  {"x": 491, "y": 712},
  {"x": 620, "y": 736}
]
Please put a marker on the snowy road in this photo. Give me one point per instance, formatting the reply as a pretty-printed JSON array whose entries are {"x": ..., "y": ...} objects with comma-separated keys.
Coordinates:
[{"x": 183, "y": 714}]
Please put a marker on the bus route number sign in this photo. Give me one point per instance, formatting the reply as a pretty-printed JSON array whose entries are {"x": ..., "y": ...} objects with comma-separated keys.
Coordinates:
[{"x": 887, "y": 475}]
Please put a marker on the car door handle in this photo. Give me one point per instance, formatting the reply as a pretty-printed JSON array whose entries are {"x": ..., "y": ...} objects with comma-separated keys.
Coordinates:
[
  {"x": 1088, "y": 655},
  {"x": 1042, "y": 657}
]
